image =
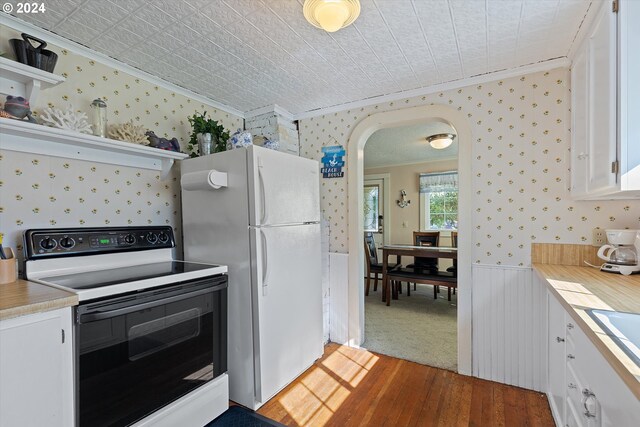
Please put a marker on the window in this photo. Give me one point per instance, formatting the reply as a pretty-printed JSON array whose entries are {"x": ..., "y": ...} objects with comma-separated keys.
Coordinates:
[
  {"x": 439, "y": 201},
  {"x": 371, "y": 208}
]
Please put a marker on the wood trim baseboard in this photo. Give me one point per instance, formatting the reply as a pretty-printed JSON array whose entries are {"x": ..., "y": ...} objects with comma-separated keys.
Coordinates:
[{"x": 564, "y": 254}]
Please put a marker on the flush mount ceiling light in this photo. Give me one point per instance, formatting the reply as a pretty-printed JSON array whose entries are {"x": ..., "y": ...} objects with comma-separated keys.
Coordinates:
[
  {"x": 441, "y": 140},
  {"x": 331, "y": 15}
]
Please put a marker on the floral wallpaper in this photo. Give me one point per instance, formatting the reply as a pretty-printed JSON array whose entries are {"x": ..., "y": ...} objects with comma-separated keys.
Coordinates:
[
  {"x": 42, "y": 191},
  {"x": 39, "y": 191},
  {"x": 521, "y": 140}
]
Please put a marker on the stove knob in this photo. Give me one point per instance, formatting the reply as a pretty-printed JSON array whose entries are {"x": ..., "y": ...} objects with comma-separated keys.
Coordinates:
[
  {"x": 129, "y": 239},
  {"x": 152, "y": 237},
  {"x": 163, "y": 237},
  {"x": 67, "y": 242},
  {"x": 48, "y": 243}
]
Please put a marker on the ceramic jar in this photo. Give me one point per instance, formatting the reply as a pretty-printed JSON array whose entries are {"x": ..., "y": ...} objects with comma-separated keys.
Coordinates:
[
  {"x": 239, "y": 139},
  {"x": 273, "y": 145}
]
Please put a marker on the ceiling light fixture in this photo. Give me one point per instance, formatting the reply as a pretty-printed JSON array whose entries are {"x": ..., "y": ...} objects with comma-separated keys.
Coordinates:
[
  {"x": 441, "y": 140},
  {"x": 331, "y": 15}
]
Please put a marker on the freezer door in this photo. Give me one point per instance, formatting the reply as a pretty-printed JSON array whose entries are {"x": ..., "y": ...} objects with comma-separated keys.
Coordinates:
[
  {"x": 285, "y": 188},
  {"x": 288, "y": 328}
]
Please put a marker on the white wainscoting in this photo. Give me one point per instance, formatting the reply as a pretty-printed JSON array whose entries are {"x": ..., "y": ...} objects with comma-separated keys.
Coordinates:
[
  {"x": 326, "y": 303},
  {"x": 509, "y": 324},
  {"x": 339, "y": 297}
]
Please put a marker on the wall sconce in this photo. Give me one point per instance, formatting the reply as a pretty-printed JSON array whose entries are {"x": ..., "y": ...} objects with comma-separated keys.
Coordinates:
[{"x": 403, "y": 202}]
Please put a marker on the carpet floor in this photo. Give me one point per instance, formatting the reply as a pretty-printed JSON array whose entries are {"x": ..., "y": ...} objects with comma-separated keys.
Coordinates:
[{"x": 416, "y": 328}]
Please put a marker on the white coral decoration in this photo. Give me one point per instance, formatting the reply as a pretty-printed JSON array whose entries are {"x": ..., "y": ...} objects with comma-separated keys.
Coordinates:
[
  {"x": 129, "y": 132},
  {"x": 67, "y": 119}
]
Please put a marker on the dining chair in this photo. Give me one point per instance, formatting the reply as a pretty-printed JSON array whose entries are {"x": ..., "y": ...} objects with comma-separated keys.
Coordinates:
[
  {"x": 373, "y": 266},
  {"x": 454, "y": 244},
  {"x": 424, "y": 264}
]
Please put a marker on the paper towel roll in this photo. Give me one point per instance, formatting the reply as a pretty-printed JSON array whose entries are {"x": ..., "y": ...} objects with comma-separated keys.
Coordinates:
[{"x": 204, "y": 180}]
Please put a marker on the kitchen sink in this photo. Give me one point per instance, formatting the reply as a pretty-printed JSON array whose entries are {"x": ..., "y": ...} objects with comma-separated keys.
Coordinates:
[{"x": 623, "y": 328}]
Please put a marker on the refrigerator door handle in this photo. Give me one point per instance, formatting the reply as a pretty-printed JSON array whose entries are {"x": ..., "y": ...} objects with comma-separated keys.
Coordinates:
[
  {"x": 265, "y": 262},
  {"x": 263, "y": 195}
]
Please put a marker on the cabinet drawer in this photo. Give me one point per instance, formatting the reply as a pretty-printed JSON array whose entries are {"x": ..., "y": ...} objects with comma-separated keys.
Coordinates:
[
  {"x": 570, "y": 347},
  {"x": 574, "y": 387},
  {"x": 573, "y": 417},
  {"x": 570, "y": 326}
]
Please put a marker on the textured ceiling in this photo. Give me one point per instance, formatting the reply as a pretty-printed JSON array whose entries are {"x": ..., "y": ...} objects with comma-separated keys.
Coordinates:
[
  {"x": 253, "y": 53},
  {"x": 407, "y": 144}
]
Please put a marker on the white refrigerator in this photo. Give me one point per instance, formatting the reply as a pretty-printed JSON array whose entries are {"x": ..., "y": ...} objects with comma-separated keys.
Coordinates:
[{"x": 265, "y": 226}]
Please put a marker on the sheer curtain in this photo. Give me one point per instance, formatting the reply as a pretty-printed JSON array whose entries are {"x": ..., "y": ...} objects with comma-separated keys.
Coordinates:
[{"x": 438, "y": 182}]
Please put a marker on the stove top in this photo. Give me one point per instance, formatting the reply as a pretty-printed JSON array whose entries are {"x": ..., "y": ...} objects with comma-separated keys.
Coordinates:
[
  {"x": 106, "y": 261},
  {"x": 107, "y": 282},
  {"x": 115, "y": 276}
]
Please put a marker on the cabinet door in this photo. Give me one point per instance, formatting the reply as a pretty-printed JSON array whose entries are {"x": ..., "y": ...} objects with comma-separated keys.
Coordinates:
[
  {"x": 580, "y": 123},
  {"x": 602, "y": 140},
  {"x": 556, "y": 361},
  {"x": 36, "y": 368},
  {"x": 616, "y": 405},
  {"x": 629, "y": 95}
]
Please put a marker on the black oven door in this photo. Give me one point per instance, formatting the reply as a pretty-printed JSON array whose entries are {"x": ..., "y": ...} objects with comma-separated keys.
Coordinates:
[{"x": 137, "y": 353}]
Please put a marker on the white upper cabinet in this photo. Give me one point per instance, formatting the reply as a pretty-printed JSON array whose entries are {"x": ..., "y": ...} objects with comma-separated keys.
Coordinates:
[
  {"x": 605, "y": 143},
  {"x": 601, "y": 98},
  {"x": 580, "y": 122},
  {"x": 629, "y": 104}
]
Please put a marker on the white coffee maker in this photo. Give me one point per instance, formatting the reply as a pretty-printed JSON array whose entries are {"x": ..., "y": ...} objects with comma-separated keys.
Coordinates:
[{"x": 621, "y": 255}]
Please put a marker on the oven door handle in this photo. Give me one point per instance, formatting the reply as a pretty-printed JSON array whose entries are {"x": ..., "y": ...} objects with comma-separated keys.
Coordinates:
[{"x": 107, "y": 314}]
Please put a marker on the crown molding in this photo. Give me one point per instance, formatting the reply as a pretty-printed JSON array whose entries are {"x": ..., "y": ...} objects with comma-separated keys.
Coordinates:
[
  {"x": 71, "y": 46},
  {"x": 585, "y": 26},
  {"x": 273, "y": 108},
  {"x": 547, "y": 65}
]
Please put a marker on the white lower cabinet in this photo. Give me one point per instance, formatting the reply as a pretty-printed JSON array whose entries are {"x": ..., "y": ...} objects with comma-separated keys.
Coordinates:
[
  {"x": 582, "y": 387},
  {"x": 36, "y": 370},
  {"x": 556, "y": 354}
]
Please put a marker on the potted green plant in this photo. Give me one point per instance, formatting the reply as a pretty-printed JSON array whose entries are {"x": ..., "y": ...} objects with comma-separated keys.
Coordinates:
[{"x": 201, "y": 126}]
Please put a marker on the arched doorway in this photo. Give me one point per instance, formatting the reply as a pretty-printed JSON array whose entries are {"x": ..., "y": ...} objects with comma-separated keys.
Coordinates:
[{"x": 357, "y": 141}]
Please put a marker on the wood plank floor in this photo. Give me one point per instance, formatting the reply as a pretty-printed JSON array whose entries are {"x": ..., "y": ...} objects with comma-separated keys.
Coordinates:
[{"x": 352, "y": 387}]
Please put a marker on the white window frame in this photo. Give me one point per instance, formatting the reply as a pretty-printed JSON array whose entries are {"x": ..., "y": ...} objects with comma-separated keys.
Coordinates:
[{"x": 425, "y": 208}]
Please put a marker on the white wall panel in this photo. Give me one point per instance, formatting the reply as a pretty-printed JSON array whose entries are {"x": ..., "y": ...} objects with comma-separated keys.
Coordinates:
[
  {"x": 508, "y": 325},
  {"x": 338, "y": 299},
  {"x": 326, "y": 303}
]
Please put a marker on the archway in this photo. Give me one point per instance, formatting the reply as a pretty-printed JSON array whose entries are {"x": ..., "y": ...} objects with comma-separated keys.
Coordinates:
[{"x": 357, "y": 141}]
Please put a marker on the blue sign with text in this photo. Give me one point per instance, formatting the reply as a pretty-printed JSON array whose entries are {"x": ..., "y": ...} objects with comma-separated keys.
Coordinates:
[{"x": 332, "y": 161}]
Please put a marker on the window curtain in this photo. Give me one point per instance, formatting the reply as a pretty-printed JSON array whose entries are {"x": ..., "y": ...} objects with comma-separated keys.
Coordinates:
[{"x": 438, "y": 182}]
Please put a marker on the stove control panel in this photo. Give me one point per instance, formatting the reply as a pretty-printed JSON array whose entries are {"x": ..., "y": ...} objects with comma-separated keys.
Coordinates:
[{"x": 47, "y": 243}]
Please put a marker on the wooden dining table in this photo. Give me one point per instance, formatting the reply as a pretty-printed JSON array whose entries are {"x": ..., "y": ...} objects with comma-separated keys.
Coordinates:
[{"x": 413, "y": 251}]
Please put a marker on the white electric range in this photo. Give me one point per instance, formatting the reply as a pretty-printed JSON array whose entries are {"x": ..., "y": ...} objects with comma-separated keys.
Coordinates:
[{"x": 150, "y": 332}]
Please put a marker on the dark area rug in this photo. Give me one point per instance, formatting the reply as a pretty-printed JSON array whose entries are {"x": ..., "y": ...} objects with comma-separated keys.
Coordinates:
[{"x": 237, "y": 416}]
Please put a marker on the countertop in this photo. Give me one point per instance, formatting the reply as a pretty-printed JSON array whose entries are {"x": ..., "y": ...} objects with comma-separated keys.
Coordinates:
[
  {"x": 23, "y": 297},
  {"x": 582, "y": 288}
]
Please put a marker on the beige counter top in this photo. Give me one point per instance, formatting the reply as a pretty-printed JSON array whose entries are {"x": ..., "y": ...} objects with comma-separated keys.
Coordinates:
[
  {"x": 23, "y": 297},
  {"x": 582, "y": 288}
]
